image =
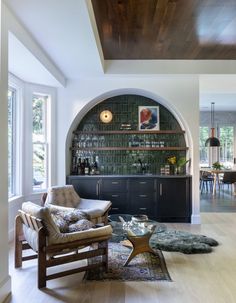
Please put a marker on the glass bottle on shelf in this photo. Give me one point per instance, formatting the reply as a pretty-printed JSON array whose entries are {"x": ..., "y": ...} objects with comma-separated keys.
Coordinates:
[
  {"x": 82, "y": 167},
  {"x": 86, "y": 167},
  {"x": 79, "y": 167}
]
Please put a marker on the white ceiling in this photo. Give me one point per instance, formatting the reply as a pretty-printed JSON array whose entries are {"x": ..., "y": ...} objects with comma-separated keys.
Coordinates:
[
  {"x": 64, "y": 31},
  {"x": 26, "y": 66},
  {"x": 220, "y": 89}
]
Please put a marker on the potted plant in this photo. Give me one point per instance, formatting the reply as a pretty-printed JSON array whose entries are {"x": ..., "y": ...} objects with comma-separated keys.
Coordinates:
[
  {"x": 181, "y": 162},
  {"x": 217, "y": 165}
]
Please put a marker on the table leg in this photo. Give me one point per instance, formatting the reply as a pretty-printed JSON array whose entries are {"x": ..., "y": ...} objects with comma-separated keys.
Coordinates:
[
  {"x": 234, "y": 189},
  {"x": 140, "y": 245},
  {"x": 214, "y": 184}
]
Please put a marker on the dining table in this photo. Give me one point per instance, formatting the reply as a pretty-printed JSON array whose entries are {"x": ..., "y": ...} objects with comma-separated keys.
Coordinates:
[{"x": 216, "y": 176}]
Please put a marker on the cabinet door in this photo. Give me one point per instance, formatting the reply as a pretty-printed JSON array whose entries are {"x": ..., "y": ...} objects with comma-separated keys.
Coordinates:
[
  {"x": 143, "y": 197},
  {"x": 86, "y": 187},
  {"x": 174, "y": 199}
]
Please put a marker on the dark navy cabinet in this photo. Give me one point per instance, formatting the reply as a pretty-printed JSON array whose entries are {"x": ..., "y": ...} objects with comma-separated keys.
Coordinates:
[
  {"x": 174, "y": 199},
  {"x": 163, "y": 198}
]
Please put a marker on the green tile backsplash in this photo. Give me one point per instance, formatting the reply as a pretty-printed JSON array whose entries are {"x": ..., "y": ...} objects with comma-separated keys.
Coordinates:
[{"x": 124, "y": 153}]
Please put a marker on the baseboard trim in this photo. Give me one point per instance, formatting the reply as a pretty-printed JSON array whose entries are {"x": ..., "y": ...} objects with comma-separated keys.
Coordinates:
[
  {"x": 5, "y": 289},
  {"x": 195, "y": 219}
]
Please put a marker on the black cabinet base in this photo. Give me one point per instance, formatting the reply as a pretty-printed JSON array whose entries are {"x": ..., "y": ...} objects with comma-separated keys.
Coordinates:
[{"x": 161, "y": 198}]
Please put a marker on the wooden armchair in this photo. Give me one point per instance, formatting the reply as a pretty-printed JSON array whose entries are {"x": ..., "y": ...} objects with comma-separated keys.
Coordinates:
[{"x": 36, "y": 230}]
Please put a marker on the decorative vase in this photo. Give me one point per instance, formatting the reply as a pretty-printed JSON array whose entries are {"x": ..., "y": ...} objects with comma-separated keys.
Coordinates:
[
  {"x": 172, "y": 169},
  {"x": 178, "y": 170}
]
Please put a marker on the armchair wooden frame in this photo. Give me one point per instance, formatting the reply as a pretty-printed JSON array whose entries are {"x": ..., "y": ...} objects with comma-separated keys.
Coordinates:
[{"x": 46, "y": 253}]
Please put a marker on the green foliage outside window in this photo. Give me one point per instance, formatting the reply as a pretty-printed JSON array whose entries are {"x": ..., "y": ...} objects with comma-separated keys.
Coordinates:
[
  {"x": 204, "y": 134},
  {"x": 226, "y": 144},
  {"x": 39, "y": 137}
]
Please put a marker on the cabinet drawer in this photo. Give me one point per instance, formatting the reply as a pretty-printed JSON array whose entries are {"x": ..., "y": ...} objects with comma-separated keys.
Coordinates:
[
  {"x": 115, "y": 197},
  {"x": 142, "y": 185},
  {"x": 113, "y": 185},
  {"x": 147, "y": 198},
  {"x": 119, "y": 201}
]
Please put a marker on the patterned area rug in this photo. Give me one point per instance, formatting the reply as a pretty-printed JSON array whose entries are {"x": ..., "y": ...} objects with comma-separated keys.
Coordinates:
[{"x": 144, "y": 267}]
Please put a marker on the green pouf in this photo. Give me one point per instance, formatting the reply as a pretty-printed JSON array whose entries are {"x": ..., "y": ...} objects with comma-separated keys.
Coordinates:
[{"x": 180, "y": 241}]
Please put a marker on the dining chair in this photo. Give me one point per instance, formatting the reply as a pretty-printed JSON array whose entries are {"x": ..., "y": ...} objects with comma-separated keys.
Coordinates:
[
  {"x": 229, "y": 178},
  {"x": 206, "y": 181}
]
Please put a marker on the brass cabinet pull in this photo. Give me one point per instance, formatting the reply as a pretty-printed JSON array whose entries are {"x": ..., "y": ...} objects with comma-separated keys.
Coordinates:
[
  {"x": 142, "y": 208},
  {"x": 143, "y": 196},
  {"x": 142, "y": 182},
  {"x": 114, "y": 182},
  {"x": 115, "y": 208},
  {"x": 160, "y": 189},
  {"x": 97, "y": 189},
  {"x": 115, "y": 196}
]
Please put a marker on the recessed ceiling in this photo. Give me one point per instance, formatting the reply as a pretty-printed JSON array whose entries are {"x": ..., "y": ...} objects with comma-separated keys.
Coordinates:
[
  {"x": 23, "y": 64},
  {"x": 166, "y": 29},
  {"x": 64, "y": 30}
]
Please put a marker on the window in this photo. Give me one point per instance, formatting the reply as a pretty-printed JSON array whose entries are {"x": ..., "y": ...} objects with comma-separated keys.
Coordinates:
[
  {"x": 11, "y": 141},
  {"x": 39, "y": 139},
  {"x": 204, "y": 135},
  {"x": 31, "y": 138},
  {"x": 226, "y": 134}
]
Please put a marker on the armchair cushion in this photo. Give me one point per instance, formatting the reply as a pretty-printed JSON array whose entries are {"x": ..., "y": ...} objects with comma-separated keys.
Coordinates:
[
  {"x": 70, "y": 221},
  {"x": 63, "y": 196},
  {"x": 94, "y": 208}
]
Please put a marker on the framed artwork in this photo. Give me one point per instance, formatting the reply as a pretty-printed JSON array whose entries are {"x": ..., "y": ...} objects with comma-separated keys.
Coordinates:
[{"x": 148, "y": 117}]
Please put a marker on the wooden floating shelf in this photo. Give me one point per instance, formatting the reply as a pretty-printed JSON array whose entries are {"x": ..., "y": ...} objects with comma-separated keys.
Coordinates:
[
  {"x": 130, "y": 148},
  {"x": 129, "y": 132}
]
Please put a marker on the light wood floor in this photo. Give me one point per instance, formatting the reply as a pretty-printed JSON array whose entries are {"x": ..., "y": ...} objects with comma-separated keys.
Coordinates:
[
  {"x": 207, "y": 278},
  {"x": 224, "y": 201}
]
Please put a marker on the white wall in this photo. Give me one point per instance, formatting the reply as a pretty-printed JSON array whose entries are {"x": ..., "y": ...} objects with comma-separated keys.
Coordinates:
[
  {"x": 5, "y": 280},
  {"x": 178, "y": 93}
]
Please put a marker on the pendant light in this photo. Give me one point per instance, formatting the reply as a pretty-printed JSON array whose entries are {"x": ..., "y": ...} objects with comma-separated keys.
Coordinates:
[{"x": 212, "y": 141}]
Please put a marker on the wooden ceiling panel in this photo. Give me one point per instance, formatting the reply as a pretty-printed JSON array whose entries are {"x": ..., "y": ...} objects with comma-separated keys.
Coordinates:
[{"x": 166, "y": 29}]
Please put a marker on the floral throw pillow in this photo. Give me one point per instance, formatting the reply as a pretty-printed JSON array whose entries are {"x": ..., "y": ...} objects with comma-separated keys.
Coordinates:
[
  {"x": 74, "y": 216},
  {"x": 71, "y": 221},
  {"x": 80, "y": 225}
]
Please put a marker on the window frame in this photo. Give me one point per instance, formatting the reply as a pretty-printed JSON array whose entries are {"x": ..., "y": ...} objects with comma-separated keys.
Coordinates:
[
  {"x": 23, "y": 154},
  {"x": 208, "y": 154},
  {"x": 18, "y": 85},
  {"x": 32, "y": 89},
  {"x": 44, "y": 142},
  {"x": 221, "y": 125},
  {"x": 12, "y": 144},
  {"x": 214, "y": 152}
]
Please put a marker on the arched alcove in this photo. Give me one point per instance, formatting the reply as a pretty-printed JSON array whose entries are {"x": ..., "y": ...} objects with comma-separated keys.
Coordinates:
[{"x": 122, "y": 149}]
